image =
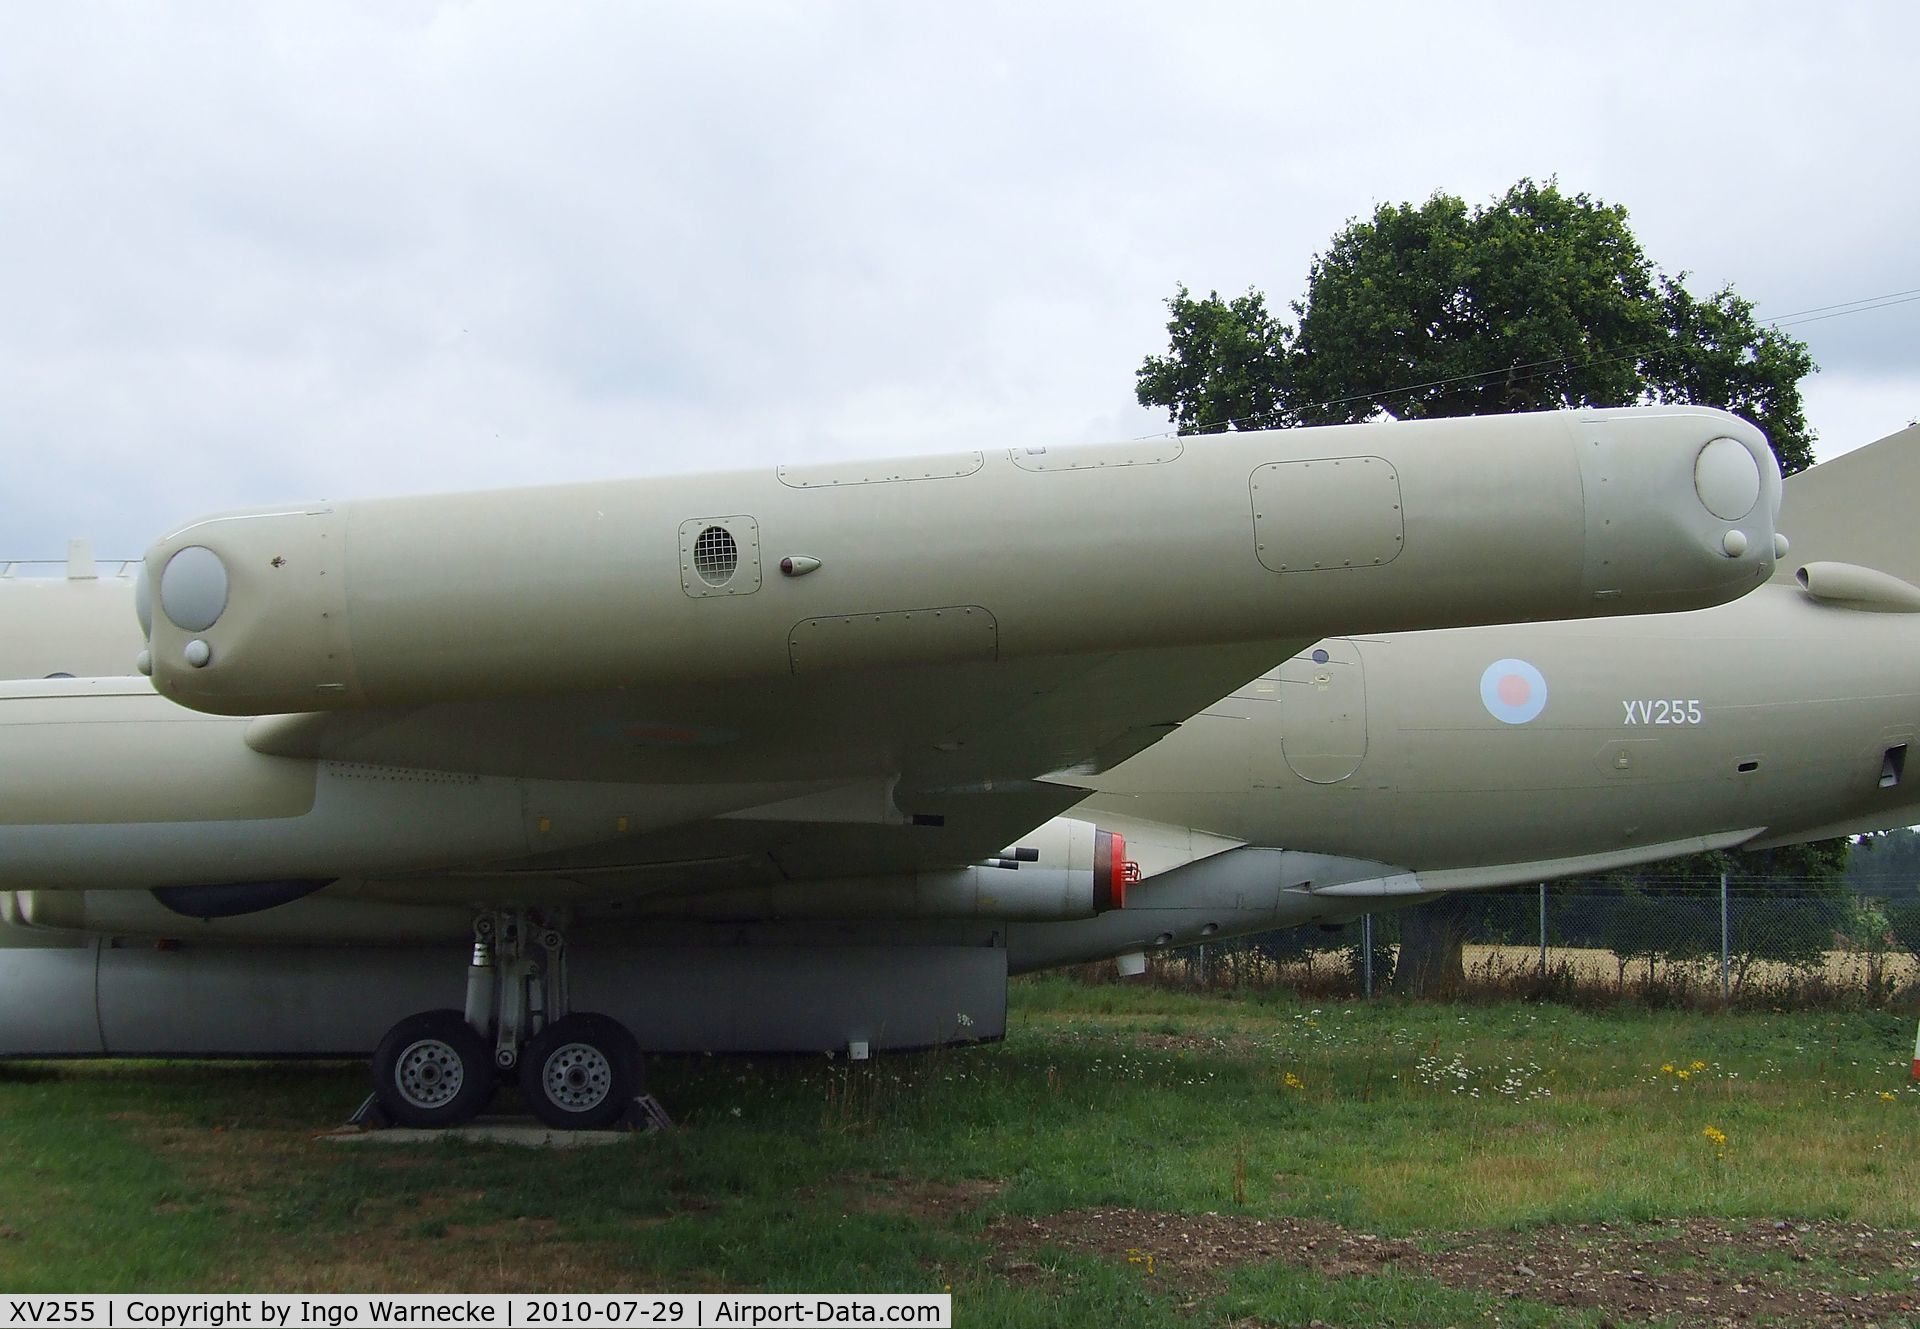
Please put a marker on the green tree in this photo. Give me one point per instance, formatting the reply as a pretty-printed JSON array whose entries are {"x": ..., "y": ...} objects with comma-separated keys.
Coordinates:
[
  {"x": 1227, "y": 364},
  {"x": 1888, "y": 869},
  {"x": 1887, "y": 863},
  {"x": 1787, "y": 905},
  {"x": 1903, "y": 920},
  {"x": 1538, "y": 300}
]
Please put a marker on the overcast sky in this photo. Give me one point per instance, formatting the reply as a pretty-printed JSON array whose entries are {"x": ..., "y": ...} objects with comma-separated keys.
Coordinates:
[{"x": 259, "y": 253}]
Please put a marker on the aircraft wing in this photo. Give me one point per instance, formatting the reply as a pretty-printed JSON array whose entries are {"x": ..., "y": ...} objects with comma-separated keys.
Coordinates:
[{"x": 871, "y": 772}]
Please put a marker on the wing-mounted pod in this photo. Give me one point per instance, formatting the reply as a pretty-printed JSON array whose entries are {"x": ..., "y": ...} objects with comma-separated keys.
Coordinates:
[{"x": 1261, "y": 536}]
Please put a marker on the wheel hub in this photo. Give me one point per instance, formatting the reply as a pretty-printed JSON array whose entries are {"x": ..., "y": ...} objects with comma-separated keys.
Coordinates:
[
  {"x": 428, "y": 1073},
  {"x": 578, "y": 1077}
]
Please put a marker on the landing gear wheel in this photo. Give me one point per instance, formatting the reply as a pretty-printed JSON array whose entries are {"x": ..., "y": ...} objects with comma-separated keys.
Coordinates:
[
  {"x": 580, "y": 1072},
  {"x": 432, "y": 1070}
]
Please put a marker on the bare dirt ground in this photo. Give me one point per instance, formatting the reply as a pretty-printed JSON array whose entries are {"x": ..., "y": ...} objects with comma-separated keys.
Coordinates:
[{"x": 1697, "y": 1272}]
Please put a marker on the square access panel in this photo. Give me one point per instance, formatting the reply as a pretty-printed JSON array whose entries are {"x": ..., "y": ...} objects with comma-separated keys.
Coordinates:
[{"x": 1326, "y": 514}]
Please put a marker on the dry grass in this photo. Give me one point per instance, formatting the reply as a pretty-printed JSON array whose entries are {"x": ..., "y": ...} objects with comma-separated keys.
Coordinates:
[
  {"x": 1851, "y": 970},
  {"x": 1588, "y": 977}
]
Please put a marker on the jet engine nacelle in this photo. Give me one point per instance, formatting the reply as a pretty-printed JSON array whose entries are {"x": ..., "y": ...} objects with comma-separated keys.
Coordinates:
[
  {"x": 1067, "y": 870},
  {"x": 1064, "y": 871}
]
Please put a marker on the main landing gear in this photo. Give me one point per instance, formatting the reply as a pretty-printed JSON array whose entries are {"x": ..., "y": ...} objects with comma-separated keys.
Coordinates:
[{"x": 575, "y": 1069}]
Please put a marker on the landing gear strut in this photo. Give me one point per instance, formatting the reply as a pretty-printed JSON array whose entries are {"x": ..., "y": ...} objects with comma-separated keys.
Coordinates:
[{"x": 576, "y": 1070}]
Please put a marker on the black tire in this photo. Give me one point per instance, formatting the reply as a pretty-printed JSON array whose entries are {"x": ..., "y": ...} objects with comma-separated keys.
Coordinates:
[
  {"x": 432, "y": 1070},
  {"x": 581, "y": 1072},
  {"x": 632, "y": 1047}
]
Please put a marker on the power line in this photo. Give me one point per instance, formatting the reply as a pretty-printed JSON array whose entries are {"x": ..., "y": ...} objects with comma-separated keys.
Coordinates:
[
  {"x": 1847, "y": 304},
  {"x": 1794, "y": 322}
]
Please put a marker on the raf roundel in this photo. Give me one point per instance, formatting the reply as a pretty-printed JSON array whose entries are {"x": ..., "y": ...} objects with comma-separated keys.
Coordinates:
[{"x": 1513, "y": 691}]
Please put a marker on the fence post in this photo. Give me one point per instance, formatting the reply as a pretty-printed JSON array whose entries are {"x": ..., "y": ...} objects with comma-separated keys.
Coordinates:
[
  {"x": 1366, "y": 945},
  {"x": 1543, "y": 929},
  {"x": 1725, "y": 943}
]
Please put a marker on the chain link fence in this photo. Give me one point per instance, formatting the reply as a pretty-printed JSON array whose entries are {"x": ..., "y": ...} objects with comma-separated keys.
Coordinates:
[{"x": 1696, "y": 942}]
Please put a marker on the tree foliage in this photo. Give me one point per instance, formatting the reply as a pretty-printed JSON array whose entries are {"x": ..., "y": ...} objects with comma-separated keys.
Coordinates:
[
  {"x": 1888, "y": 864},
  {"x": 1536, "y": 301},
  {"x": 1888, "y": 867},
  {"x": 1227, "y": 365}
]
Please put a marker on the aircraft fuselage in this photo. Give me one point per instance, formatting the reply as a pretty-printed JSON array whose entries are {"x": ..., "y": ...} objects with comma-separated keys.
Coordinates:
[{"x": 1448, "y": 750}]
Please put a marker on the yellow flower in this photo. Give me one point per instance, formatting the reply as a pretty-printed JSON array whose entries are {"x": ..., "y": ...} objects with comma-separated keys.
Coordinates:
[
  {"x": 1683, "y": 1075},
  {"x": 1699, "y": 1065},
  {"x": 1667, "y": 1069},
  {"x": 1292, "y": 1081},
  {"x": 1884, "y": 1094},
  {"x": 1716, "y": 1137}
]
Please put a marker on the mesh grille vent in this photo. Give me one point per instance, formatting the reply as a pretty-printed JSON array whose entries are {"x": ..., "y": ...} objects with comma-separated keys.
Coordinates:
[
  {"x": 720, "y": 555},
  {"x": 715, "y": 556}
]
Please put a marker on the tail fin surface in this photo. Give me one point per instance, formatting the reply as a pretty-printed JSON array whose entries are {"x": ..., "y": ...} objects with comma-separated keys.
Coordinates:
[{"x": 1861, "y": 507}]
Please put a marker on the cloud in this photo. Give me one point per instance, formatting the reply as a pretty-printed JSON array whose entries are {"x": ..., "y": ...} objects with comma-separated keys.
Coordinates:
[{"x": 255, "y": 253}]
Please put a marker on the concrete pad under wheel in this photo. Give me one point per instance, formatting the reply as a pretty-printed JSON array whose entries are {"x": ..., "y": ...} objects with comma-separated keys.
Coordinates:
[{"x": 522, "y": 1131}]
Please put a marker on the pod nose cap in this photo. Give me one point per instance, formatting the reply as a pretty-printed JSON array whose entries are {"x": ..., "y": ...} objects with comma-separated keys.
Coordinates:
[
  {"x": 1727, "y": 478},
  {"x": 193, "y": 588}
]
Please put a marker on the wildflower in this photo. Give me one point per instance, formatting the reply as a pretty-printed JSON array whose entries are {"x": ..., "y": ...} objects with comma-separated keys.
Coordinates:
[
  {"x": 1667, "y": 1069},
  {"x": 1699, "y": 1066},
  {"x": 1884, "y": 1094},
  {"x": 1716, "y": 1136},
  {"x": 1292, "y": 1081}
]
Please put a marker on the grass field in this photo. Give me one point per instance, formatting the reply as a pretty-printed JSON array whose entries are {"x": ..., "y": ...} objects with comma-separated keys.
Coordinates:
[{"x": 1127, "y": 1156}]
